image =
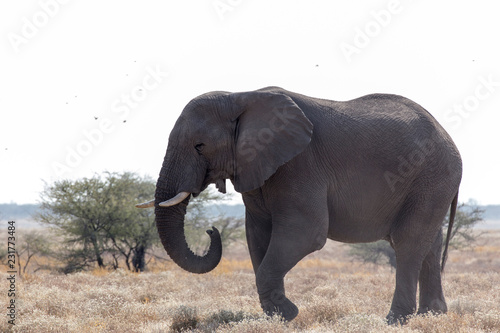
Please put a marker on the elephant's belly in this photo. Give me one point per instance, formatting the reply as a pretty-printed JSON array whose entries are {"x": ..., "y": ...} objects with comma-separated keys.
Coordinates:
[
  {"x": 357, "y": 230},
  {"x": 362, "y": 213}
]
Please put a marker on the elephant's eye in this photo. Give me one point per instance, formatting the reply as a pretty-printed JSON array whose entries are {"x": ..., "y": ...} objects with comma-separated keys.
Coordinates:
[{"x": 199, "y": 147}]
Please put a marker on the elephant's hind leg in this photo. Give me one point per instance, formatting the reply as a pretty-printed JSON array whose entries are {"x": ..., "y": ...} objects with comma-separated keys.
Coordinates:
[
  {"x": 431, "y": 291},
  {"x": 404, "y": 299},
  {"x": 415, "y": 242}
]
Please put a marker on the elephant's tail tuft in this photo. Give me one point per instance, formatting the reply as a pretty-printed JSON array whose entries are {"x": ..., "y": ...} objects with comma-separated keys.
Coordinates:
[{"x": 453, "y": 210}]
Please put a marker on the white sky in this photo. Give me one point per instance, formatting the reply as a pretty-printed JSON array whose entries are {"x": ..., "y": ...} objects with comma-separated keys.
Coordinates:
[{"x": 63, "y": 63}]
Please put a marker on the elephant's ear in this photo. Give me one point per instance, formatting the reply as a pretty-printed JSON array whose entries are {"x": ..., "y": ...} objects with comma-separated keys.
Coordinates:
[{"x": 270, "y": 130}]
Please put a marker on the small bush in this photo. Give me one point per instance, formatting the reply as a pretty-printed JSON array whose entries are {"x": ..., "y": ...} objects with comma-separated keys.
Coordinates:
[
  {"x": 184, "y": 319},
  {"x": 211, "y": 323},
  {"x": 320, "y": 313},
  {"x": 464, "y": 306},
  {"x": 489, "y": 321},
  {"x": 225, "y": 317},
  {"x": 262, "y": 324}
]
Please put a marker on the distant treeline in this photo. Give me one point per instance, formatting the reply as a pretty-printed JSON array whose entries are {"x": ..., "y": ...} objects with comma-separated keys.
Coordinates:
[
  {"x": 15, "y": 211},
  {"x": 491, "y": 212}
]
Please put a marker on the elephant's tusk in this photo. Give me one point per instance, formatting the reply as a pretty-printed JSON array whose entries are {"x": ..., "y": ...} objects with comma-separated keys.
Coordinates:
[
  {"x": 175, "y": 200},
  {"x": 147, "y": 204}
]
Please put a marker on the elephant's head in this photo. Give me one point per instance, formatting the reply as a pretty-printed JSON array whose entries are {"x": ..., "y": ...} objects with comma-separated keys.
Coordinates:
[{"x": 241, "y": 136}]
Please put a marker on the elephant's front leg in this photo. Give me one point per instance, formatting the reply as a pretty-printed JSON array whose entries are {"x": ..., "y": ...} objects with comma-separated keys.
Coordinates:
[
  {"x": 271, "y": 289},
  {"x": 258, "y": 227},
  {"x": 292, "y": 238}
]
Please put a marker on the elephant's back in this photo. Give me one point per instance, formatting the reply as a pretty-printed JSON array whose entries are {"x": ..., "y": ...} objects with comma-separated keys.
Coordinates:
[
  {"x": 383, "y": 122},
  {"x": 379, "y": 136},
  {"x": 377, "y": 132}
]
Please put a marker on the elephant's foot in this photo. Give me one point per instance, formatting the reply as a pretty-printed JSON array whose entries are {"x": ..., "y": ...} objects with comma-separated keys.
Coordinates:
[
  {"x": 396, "y": 319},
  {"x": 277, "y": 303},
  {"x": 436, "y": 306}
]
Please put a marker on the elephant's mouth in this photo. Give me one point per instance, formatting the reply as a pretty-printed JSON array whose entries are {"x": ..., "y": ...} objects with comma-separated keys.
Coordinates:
[
  {"x": 220, "y": 184},
  {"x": 215, "y": 177}
]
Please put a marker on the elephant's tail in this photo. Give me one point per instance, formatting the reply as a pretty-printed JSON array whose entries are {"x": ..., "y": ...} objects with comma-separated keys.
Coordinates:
[{"x": 453, "y": 210}]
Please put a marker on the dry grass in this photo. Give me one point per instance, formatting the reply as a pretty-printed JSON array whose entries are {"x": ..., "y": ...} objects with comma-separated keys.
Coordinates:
[{"x": 332, "y": 293}]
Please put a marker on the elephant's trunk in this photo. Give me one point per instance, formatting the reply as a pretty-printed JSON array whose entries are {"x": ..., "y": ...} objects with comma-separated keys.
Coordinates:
[{"x": 170, "y": 224}]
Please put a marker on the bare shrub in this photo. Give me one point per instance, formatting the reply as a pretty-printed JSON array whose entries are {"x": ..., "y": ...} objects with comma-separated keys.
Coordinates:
[
  {"x": 463, "y": 306},
  {"x": 184, "y": 319},
  {"x": 257, "y": 325},
  {"x": 220, "y": 318},
  {"x": 489, "y": 321}
]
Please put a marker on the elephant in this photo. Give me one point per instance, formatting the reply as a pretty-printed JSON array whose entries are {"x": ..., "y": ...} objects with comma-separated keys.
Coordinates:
[{"x": 309, "y": 169}]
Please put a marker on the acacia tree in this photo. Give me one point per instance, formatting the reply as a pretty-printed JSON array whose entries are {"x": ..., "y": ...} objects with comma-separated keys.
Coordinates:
[
  {"x": 33, "y": 244},
  {"x": 462, "y": 235},
  {"x": 468, "y": 215},
  {"x": 134, "y": 232},
  {"x": 134, "y": 238},
  {"x": 96, "y": 216},
  {"x": 73, "y": 209}
]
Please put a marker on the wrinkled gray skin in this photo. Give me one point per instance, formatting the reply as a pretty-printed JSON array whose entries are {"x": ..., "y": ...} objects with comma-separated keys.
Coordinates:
[{"x": 376, "y": 167}]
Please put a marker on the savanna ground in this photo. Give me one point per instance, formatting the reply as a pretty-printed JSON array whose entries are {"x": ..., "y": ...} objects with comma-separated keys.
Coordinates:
[{"x": 333, "y": 292}]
